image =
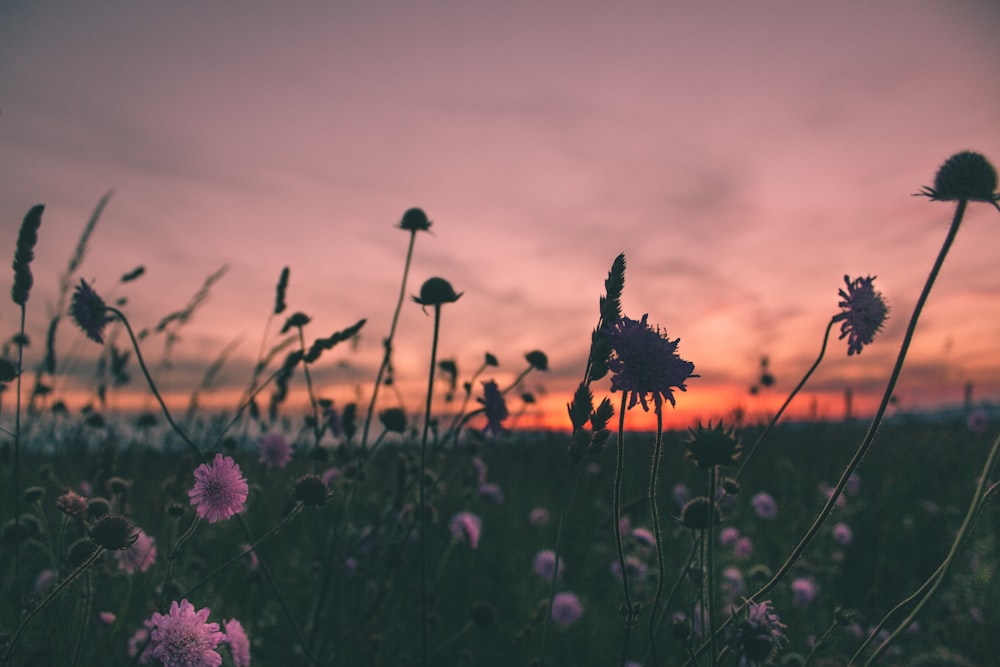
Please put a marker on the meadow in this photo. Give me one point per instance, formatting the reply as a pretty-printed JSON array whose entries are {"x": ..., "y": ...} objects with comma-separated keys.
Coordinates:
[{"x": 364, "y": 535}]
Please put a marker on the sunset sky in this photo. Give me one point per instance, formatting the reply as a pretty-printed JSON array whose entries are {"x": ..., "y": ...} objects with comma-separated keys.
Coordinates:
[{"x": 744, "y": 157}]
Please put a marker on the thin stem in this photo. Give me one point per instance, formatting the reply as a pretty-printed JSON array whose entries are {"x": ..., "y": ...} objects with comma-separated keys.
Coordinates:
[
  {"x": 388, "y": 342},
  {"x": 777, "y": 415},
  {"x": 423, "y": 501},
  {"x": 819, "y": 643},
  {"x": 17, "y": 467},
  {"x": 713, "y": 482},
  {"x": 84, "y": 616},
  {"x": 654, "y": 512},
  {"x": 317, "y": 430},
  {"x": 616, "y": 517}
]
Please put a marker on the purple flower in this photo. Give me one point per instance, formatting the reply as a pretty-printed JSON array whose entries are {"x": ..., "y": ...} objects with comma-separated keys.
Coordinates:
[
  {"x": 864, "y": 313},
  {"x": 107, "y": 617},
  {"x": 183, "y": 638},
  {"x": 495, "y": 408},
  {"x": 239, "y": 644},
  {"x": 481, "y": 469},
  {"x": 644, "y": 537},
  {"x": 853, "y": 484},
  {"x": 743, "y": 548},
  {"x": 757, "y": 637},
  {"x": 140, "y": 556},
  {"x": 220, "y": 490},
  {"x": 87, "y": 309},
  {"x": 764, "y": 505},
  {"x": 538, "y": 517},
  {"x": 645, "y": 361},
  {"x": 466, "y": 525},
  {"x": 491, "y": 492},
  {"x": 275, "y": 450},
  {"x": 330, "y": 474},
  {"x": 566, "y": 609},
  {"x": 544, "y": 564},
  {"x": 637, "y": 570},
  {"x": 803, "y": 591},
  {"x": 728, "y": 536},
  {"x": 732, "y": 581},
  {"x": 842, "y": 534}
]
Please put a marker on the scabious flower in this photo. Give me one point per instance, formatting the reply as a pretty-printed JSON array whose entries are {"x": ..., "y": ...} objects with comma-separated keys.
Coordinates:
[
  {"x": 89, "y": 312},
  {"x": 220, "y": 490},
  {"x": 184, "y": 638},
  {"x": 842, "y": 534},
  {"x": 495, "y": 408},
  {"x": 757, "y": 637},
  {"x": 864, "y": 313},
  {"x": 764, "y": 505},
  {"x": 637, "y": 570},
  {"x": 803, "y": 591},
  {"x": 710, "y": 446},
  {"x": 728, "y": 536},
  {"x": 967, "y": 175},
  {"x": 140, "y": 556},
  {"x": 644, "y": 537},
  {"x": 468, "y": 526},
  {"x": 106, "y": 617},
  {"x": 275, "y": 450},
  {"x": 732, "y": 581},
  {"x": 566, "y": 609},
  {"x": 743, "y": 548},
  {"x": 491, "y": 492},
  {"x": 72, "y": 504},
  {"x": 239, "y": 644},
  {"x": 544, "y": 565},
  {"x": 645, "y": 361},
  {"x": 140, "y": 638},
  {"x": 538, "y": 517}
]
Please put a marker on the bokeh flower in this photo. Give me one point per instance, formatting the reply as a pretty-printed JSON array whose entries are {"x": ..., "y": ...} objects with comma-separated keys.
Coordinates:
[
  {"x": 140, "y": 556},
  {"x": 976, "y": 420},
  {"x": 220, "y": 490},
  {"x": 566, "y": 609},
  {"x": 275, "y": 450},
  {"x": 495, "y": 408},
  {"x": 764, "y": 505},
  {"x": 842, "y": 534},
  {"x": 544, "y": 565},
  {"x": 743, "y": 548},
  {"x": 106, "y": 617},
  {"x": 538, "y": 517},
  {"x": 864, "y": 313},
  {"x": 183, "y": 637},
  {"x": 732, "y": 581},
  {"x": 728, "y": 536},
  {"x": 468, "y": 526},
  {"x": 491, "y": 492},
  {"x": 644, "y": 537},
  {"x": 239, "y": 644},
  {"x": 803, "y": 591},
  {"x": 757, "y": 637},
  {"x": 645, "y": 362},
  {"x": 87, "y": 309}
]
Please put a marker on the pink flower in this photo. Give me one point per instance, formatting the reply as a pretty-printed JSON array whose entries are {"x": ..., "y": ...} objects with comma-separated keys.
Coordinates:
[
  {"x": 139, "y": 639},
  {"x": 538, "y": 517},
  {"x": 644, "y": 537},
  {"x": 545, "y": 564},
  {"x": 140, "y": 556},
  {"x": 239, "y": 644},
  {"x": 491, "y": 492},
  {"x": 183, "y": 638},
  {"x": 467, "y": 525},
  {"x": 803, "y": 592},
  {"x": 764, "y": 505},
  {"x": 275, "y": 450},
  {"x": 728, "y": 536},
  {"x": 743, "y": 548},
  {"x": 220, "y": 490},
  {"x": 107, "y": 618},
  {"x": 732, "y": 581},
  {"x": 566, "y": 609},
  {"x": 842, "y": 534}
]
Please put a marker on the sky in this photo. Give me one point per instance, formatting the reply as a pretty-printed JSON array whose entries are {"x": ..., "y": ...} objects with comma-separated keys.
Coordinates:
[{"x": 744, "y": 157}]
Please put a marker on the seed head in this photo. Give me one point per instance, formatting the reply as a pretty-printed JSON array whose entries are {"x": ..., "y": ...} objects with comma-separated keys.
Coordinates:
[
  {"x": 310, "y": 490},
  {"x": 966, "y": 175},
  {"x": 435, "y": 292},
  {"x": 113, "y": 532},
  {"x": 87, "y": 309},
  {"x": 713, "y": 446},
  {"x": 415, "y": 220},
  {"x": 695, "y": 514}
]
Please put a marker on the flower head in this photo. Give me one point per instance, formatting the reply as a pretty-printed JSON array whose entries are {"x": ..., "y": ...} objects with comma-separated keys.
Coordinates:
[
  {"x": 757, "y": 637},
  {"x": 645, "y": 361},
  {"x": 495, "y": 408},
  {"x": 566, "y": 609},
  {"x": 468, "y": 526},
  {"x": 220, "y": 490},
  {"x": 140, "y": 556},
  {"x": 803, "y": 591},
  {"x": 72, "y": 504},
  {"x": 765, "y": 505},
  {"x": 435, "y": 292},
  {"x": 239, "y": 644},
  {"x": 966, "y": 175},
  {"x": 183, "y": 638},
  {"x": 415, "y": 220},
  {"x": 842, "y": 534},
  {"x": 864, "y": 313},
  {"x": 275, "y": 450},
  {"x": 544, "y": 565},
  {"x": 113, "y": 532},
  {"x": 89, "y": 312},
  {"x": 310, "y": 490},
  {"x": 713, "y": 446}
]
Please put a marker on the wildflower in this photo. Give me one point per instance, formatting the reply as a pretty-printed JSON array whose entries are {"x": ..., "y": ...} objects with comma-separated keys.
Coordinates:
[
  {"x": 45, "y": 578},
  {"x": 140, "y": 638},
  {"x": 491, "y": 492},
  {"x": 537, "y": 360},
  {"x": 728, "y": 536},
  {"x": 106, "y": 617},
  {"x": 415, "y": 220},
  {"x": 466, "y": 525},
  {"x": 743, "y": 548},
  {"x": 393, "y": 420},
  {"x": 713, "y": 446},
  {"x": 732, "y": 581},
  {"x": 481, "y": 469},
  {"x": 764, "y": 505},
  {"x": 220, "y": 490},
  {"x": 89, "y": 312},
  {"x": 435, "y": 292},
  {"x": 695, "y": 514},
  {"x": 275, "y": 450},
  {"x": 864, "y": 313},
  {"x": 681, "y": 494},
  {"x": 966, "y": 175},
  {"x": 566, "y": 609},
  {"x": 140, "y": 556},
  {"x": 239, "y": 644},
  {"x": 113, "y": 532},
  {"x": 310, "y": 490},
  {"x": 183, "y": 638},
  {"x": 644, "y": 537},
  {"x": 637, "y": 570},
  {"x": 853, "y": 484},
  {"x": 544, "y": 565},
  {"x": 72, "y": 504},
  {"x": 645, "y": 362},
  {"x": 24, "y": 253},
  {"x": 757, "y": 637},
  {"x": 495, "y": 408},
  {"x": 842, "y": 534},
  {"x": 803, "y": 591},
  {"x": 330, "y": 474},
  {"x": 538, "y": 517}
]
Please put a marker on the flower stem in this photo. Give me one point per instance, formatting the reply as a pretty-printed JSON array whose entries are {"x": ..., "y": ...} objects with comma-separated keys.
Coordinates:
[
  {"x": 616, "y": 517},
  {"x": 423, "y": 500},
  {"x": 17, "y": 466},
  {"x": 654, "y": 513},
  {"x": 317, "y": 427},
  {"x": 713, "y": 482}
]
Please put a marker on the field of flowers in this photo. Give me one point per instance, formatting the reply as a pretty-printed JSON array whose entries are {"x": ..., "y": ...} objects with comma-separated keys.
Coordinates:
[{"x": 368, "y": 536}]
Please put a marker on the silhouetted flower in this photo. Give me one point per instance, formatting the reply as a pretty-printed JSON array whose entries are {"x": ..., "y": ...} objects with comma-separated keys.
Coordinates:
[
  {"x": 966, "y": 175},
  {"x": 239, "y": 644},
  {"x": 184, "y": 638},
  {"x": 864, "y": 313},
  {"x": 712, "y": 446},
  {"x": 645, "y": 361},
  {"x": 275, "y": 450},
  {"x": 113, "y": 532},
  {"x": 415, "y": 220},
  {"x": 220, "y": 490},
  {"x": 310, "y": 490},
  {"x": 757, "y": 637},
  {"x": 538, "y": 360},
  {"x": 764, "y": 505},
  {"x": 695, "y": 514},
  {"x": 140, "y": 556},
  {"x": 495, "y": 408},
  {"x": 435, "y": 292},
  {"x": 468, "y": 526},
  {"x": 393, "y": 420},
  {"x": 566, "y": 609},
  {"x": 89, "y": 312}
]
